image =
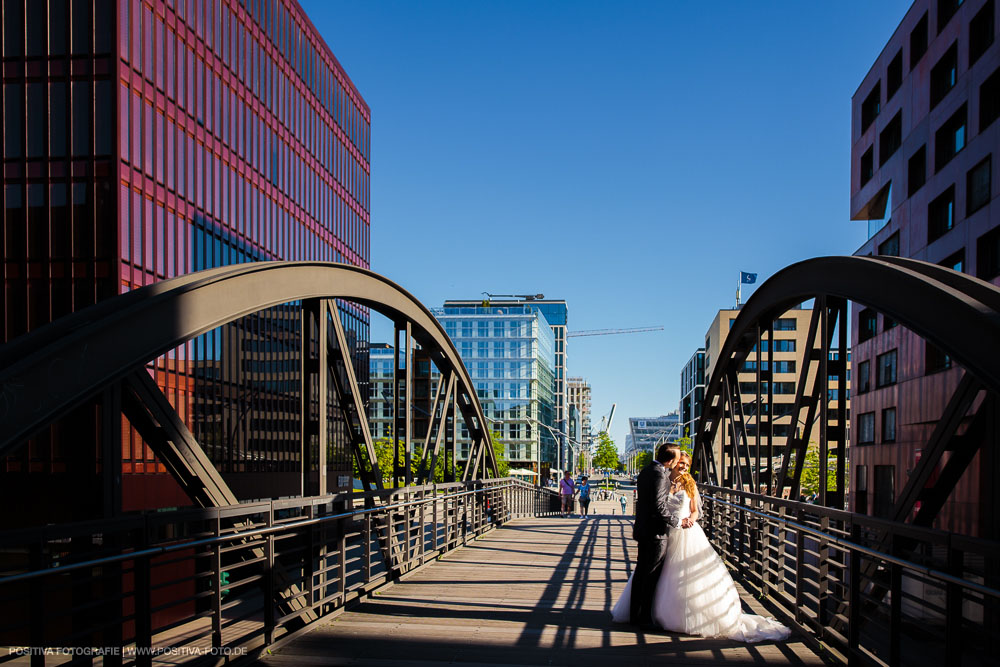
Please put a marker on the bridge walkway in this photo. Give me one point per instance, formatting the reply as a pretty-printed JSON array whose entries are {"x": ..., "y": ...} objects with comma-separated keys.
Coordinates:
[{"x": 535, "y": 592}]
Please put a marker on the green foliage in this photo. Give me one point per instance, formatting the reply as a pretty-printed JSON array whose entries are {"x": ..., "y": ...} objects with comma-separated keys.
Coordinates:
[
  {"x": 384, "y": 451},
  {"x": 644, "y": 459},
  {"x": 503, "y": 467},
  {"x": 383, "y": 454},
  {"x": 810, "y": 471},
  {"x": 606, "y": 455}
]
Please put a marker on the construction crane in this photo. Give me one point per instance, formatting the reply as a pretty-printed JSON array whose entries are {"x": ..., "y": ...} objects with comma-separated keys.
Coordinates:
[
  {"x": 606, "y": 421},
  {"x": 608, "y": 332}
]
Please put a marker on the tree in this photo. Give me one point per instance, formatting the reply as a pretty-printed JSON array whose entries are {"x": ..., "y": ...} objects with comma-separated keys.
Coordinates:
[
  {"x": 809, "y": 482},
  {"x": 606, "y": 455},
  {"x": 503, "y": 467},
  {"x": 643, "y": 459}
]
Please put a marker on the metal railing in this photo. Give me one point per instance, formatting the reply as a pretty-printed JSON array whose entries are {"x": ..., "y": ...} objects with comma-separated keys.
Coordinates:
[
  {"x": 227, "y": 581},
  {"x": 866, "y": 590}
]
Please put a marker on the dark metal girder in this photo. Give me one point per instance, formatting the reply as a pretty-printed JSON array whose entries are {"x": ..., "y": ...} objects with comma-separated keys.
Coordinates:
[
  {"x": 47, "y": 373},
  {"x": 939, "y": 442},
  {"x": 148, "y": 410},
  {"x": 958, "y": 313}
]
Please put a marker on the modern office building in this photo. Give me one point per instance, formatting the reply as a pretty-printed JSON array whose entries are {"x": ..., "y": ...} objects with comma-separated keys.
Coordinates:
[
  {"x": 145, "y": 140},
  {"x": 578, "y": 394},
  {"x": 783, "y": 358},
  {"x": 692, "y": 392},
  {"x": 647, "y": 432},
  {"x": 924, "y": 132},
  {"x": 509, "y": 351},
  {"x": 381, "y": 361}
]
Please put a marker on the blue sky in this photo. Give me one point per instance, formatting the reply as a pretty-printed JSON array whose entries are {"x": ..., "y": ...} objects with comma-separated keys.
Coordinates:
[{"x": 629, "y": 157}]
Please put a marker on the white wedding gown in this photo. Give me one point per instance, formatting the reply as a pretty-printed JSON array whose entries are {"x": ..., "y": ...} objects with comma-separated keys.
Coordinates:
[{"x": 696, "y": 594}]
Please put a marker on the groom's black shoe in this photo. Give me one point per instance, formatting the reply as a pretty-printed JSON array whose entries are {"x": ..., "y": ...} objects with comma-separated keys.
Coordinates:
[{"x": 649, "y": 627}]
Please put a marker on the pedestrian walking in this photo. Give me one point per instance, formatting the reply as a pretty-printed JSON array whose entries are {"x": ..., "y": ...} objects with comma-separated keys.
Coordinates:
[
  {"x": 566, "y": 492},
  {"x": 584, "y": 490}
]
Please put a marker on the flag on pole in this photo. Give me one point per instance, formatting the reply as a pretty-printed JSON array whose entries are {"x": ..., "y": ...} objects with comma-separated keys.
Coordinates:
[{"x": 747, "y": 278}]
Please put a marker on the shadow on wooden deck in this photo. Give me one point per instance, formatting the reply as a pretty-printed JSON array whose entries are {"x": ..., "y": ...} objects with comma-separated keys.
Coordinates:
[{"x": 536, "y": 592}]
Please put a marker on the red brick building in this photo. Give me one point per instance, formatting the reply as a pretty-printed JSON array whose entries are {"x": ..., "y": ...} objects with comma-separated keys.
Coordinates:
[{"x": 925, "y": 146}]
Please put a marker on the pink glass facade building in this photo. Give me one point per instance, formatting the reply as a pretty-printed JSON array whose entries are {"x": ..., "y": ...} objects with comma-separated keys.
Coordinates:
[
  {"x": 145, "y": 139},
  {"x": 924, "y": 174}
]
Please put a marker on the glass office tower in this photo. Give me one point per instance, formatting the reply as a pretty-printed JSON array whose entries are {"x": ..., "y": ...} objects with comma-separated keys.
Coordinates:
[
  {"x": 509, "y": 351},
  {"x": 145, "y": 139}
]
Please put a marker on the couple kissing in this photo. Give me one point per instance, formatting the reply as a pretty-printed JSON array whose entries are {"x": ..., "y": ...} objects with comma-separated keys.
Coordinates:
[{"x": 679, "y": 583}]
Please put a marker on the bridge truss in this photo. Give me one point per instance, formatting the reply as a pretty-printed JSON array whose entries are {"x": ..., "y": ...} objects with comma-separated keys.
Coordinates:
[
  {"x": 102, "y": 353},
  {"x": 957, "y": 313}
]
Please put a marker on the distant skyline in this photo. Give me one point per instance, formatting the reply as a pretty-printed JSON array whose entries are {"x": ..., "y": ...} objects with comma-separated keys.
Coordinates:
[{"x": 630, "y": 158}]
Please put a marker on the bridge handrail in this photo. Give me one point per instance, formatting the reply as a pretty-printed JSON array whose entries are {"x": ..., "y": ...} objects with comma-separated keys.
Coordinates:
[
  {"x": 866, "y": 590},
  {"x": 282, "y": 527},
  {"x": 853, "y": 546}
]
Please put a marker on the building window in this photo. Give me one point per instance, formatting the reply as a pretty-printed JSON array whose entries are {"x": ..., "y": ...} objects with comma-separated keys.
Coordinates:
[
  {"x": 888, "y": 323},
  {"x": 864, "y": 377},
  {"x": 886, "y": 369},
  {"x": 989, "y": 100},
  {"x": 988, "y": 255},
  {"x": 871, "y": 107},
  {"x": 784, "y": 324},
  {"x": 944, "y": 75},
  {"x": 917, "y": 170},
  {"x": 866, "y": 428},
  {"x": 783, "y": 345},
  {"x": 867, "y": 320},
  {"x": 935, "y": 359},
  {"x": 894, "y": 75},
  {"x": 890, "y": 247},
  {"x": 868, "y": 165},
  {"x": 784, "y": 366},
  {"x": 890, "y": 138},
  {"x": 861, "y": 489},
  {"x": 946, "y": 9},
  {"x": 918, "y": 41},
  {"x": 949, "y": 139},
  {"x": 885, "y": 495},
  {"x": 941, "y": 214},
  {"x": 981, "y": 32},
  {"x": 889, "y": 425},
  {"x": 977, "y": 186},
  {"x": 955, "y": 261}
]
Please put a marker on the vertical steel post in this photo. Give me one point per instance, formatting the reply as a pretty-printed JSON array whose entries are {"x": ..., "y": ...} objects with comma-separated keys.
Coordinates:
[
  {"x": 954, "y": 642},
  {"x": 217, "y": 585},
  {"x": 397, "y": 412},
  {"x": 323, "y": 381},
  {"x": 822, "y": 391},
  {"x": 854, "y": 601},
  {"x": 842, "y": 398},
  {"x": 408, "y": 406}
]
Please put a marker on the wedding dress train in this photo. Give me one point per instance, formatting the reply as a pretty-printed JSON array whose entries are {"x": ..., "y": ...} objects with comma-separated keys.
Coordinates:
[{"x": 696, "y": 594}]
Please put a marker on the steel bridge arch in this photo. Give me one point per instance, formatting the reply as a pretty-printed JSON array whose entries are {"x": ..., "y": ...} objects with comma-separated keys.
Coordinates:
[
  {"x": 956, "y": 312},
  {"x": 48, "y": 372}
]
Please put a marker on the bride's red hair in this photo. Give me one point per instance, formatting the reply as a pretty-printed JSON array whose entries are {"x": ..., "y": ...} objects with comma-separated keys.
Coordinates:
[{"x": 687, "y": 481}]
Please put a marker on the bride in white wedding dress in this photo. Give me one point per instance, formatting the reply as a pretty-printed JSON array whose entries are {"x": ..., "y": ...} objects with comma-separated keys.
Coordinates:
[{"x": 695, "y": 594}]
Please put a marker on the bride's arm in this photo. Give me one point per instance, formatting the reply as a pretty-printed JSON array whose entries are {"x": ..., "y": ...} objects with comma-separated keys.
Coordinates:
[{"x": 690, "y": 520}]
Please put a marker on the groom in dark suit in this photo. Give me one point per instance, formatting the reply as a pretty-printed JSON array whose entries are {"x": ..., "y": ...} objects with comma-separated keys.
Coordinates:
[{"x": 652, "y": 526}]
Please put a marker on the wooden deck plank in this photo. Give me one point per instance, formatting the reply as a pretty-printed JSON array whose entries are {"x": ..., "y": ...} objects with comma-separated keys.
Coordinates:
[{"x": 536, "y": 592}]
